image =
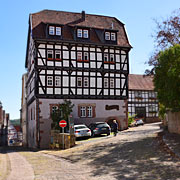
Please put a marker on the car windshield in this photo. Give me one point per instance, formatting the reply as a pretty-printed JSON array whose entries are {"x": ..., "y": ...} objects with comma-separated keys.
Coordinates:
[
  {"x": 80, "y": 127},
  {"x": 102, "y": 125}
]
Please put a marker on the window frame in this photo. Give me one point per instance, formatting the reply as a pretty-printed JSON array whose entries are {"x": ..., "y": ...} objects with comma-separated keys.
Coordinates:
[
  {"x": 89, "y": 111},
  {"x": 79, "y": 79},
  {"x": 86, "y": 54},
  {"x": 83, "y": 111},
  {"x": 52, "y": 29},
  {"x": 111, "y": 56},
  {"x": 106, "y": 83},
  {"x": 57, "y": 81},
  {"x": 86, "y": 82},
  {"x": 107, "y": 36},
  {"x": 79, "y": 56},
  {"x": 85, "y": 31},
  {"x": 111, "y": 83},
  {"x": 79, "y": 33},
  {"x": 49, "y": 54},
  {"x": 106, "y": 57},
  {"x": 50, "y": 79},
  {"x": 58, "y": 52},
  {"x": 58, "y": 31},
  {"x": 113, "y": 36}
]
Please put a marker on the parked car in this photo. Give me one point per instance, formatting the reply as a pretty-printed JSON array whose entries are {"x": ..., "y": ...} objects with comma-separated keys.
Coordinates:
[
  {"x": 99, "y": 128},
  {"x": 81, "y": 130},
  {"x": 138, "y": 122}
]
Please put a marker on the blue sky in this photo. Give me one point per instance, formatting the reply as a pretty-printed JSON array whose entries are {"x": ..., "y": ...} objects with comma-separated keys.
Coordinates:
[{"x": 137, "y": 15}]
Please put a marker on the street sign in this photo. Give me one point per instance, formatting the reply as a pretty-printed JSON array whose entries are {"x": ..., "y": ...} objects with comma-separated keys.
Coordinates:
[{"x": 62, "y": 123}]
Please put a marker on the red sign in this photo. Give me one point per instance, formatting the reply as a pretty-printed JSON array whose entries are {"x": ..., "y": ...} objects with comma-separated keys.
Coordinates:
[{"x": 62, "y": 123}]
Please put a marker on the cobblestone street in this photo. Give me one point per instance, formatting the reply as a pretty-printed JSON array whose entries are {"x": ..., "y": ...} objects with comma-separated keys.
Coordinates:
[{"x": 134, "y": 154}]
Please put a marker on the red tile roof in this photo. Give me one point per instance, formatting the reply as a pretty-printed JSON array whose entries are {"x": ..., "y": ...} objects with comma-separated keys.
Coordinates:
[
  {"x": 140, "y": 82},
  {"x": 70, "y": 19}
]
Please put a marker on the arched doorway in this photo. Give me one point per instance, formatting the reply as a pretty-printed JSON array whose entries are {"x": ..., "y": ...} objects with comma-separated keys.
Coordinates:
[{"x": 109, "y": 120}]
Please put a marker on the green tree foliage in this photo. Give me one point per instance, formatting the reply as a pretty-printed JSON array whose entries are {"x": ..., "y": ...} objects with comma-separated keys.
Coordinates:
[
  {"x": 167, "y": 78},
  {"x": 62, "y": 112}
]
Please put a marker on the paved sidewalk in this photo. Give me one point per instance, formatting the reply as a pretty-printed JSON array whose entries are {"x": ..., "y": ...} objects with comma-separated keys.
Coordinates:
[
  {"x": 173, "y": 142},
  {"x": 20, "y": 168}
]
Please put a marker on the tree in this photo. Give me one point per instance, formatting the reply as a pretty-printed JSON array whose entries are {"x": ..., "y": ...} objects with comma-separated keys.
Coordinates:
[
  {"x": 62, "y": 112},
  {"x": 167, "y": 78},
  {"x": 166, "y": 35}
]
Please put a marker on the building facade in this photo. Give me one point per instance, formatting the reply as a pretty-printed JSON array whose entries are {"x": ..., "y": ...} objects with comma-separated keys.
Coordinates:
[
  {"x": 142, "y": 100},
  {"x": 76, "y": 56}
]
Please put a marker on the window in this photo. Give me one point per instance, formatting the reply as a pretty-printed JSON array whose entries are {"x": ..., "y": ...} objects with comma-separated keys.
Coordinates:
[
  {"x": 79, "y": 82},
  {"x": 86, "y": 82},
  {"x": 113, "y": 36},
  {"x": 89, "y": 111},
  {"x": 107, "y": 35},
  {"x": 58, "y": 54},
  {"x": 138, "y": 94},
  {"x": 58, "y": 31},
  {"x": 106, "y": 57},
  {"x": 54, "y": 109},
  {"x": 86, "y": 56},
  {"x": 83, "y": 111},
  {"x": 152, "y": 94},
  {"x": 111, "y": 57},
  {"x": 49, "y": 80},
  {"x": 79, "y": 55},
  {"x": 79, "y": 33},
  {"x": 111, "y": 83},
  {"x": 57, "y": 81},
  {"x": 50, "y": 54},
  {"x": 152, "y": 108},
  {"x": 85, "y": 34},
  {"x": 105, "y": 82},
  {"x": 51, "y": 30}
]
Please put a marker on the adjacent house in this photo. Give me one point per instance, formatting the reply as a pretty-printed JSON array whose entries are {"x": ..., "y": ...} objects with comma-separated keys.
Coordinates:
[
  {"x": 142, "y": 100},
  {"x": 76, "y": 56}
]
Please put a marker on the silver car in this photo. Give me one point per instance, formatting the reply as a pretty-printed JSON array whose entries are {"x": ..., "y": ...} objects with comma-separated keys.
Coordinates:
[{"x": 81, "y": 130}]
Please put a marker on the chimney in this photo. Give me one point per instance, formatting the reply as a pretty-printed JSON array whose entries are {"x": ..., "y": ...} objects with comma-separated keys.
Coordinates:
[{"x": 83, "y": 15}]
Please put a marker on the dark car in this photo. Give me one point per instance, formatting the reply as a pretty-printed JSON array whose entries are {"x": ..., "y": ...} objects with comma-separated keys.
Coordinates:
[{"x": 99, "y": 128}]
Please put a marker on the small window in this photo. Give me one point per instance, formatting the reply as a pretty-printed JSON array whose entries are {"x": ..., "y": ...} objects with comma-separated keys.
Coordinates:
[
  {"x": 85, "y": 34},
  {"x": 107, "y": 35},
  {"x": 83, "y": 111},
  {"x": 138, "y": 94},
  {"x": 152, "y": 108},
  {"x": 111, "y": 83},
  {"x": 49, "y": 80},
  {"x": 54, "y": 109},
  {"x": 58, "y": 31},
  {"x": 106, "y": 57},
  {"x": 113, "y": 36},
  {"x": 51, "y": 30},
  {"x": 152, "y": 95},
  {"x": 111, "y": 57},
  {"x": 79, "y": 55},
  {"x": 79, "y": 33},
  {"x": 58, "y": 54},
  {"x": 57, "y": 81},
  {"x": 89, "y": 111},
  {"x": 79, "y": 82},
  {"x": 86, "y": 82},
  {"x": 86, "y": 56},
  {"x": 105, "y": 82},
  {"x": 50, "y": 54}
]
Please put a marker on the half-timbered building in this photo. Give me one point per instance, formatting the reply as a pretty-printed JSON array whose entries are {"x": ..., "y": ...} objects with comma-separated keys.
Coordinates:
[
  {"x": 80, "y": 57},
  {"x": 142, "y": 100}
]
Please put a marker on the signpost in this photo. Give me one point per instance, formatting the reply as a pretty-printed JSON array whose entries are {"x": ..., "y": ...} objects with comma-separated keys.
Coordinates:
[{"x": 63, "y": 124}]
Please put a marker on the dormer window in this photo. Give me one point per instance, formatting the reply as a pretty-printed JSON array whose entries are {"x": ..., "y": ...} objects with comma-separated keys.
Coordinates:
[
  {"x": 83, "y": 33},
  {"x": 113, "y": 37},
  {"x": 107, "y": 35},
  {"x": 58, "y": 31},
  {"x": 110, "y": 36},
  {"x": 79, "y": 33},
  {"x": 51, "y": 30},
  {"x": 55, "y": 30}
]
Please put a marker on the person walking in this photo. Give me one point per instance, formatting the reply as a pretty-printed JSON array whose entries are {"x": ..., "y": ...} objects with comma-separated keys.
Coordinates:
[{"x": 114, "y": 127}]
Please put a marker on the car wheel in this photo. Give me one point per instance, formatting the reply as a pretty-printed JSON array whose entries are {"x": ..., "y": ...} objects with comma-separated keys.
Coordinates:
[{"x": 108, "y": 134}]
